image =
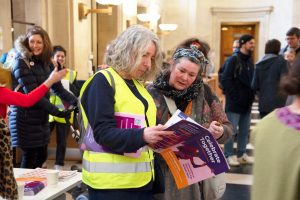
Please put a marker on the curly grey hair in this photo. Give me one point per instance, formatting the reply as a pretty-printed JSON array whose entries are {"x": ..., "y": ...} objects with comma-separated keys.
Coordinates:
[{"x": 124, "y": 53}]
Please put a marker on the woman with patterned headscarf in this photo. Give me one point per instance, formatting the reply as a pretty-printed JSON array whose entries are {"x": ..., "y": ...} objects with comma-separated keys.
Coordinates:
[{"x": 183, "y": 84}]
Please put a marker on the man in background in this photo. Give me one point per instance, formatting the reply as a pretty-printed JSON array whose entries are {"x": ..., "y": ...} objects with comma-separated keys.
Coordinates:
[
  {"x": 235, "y": 46},
  {"x": 293, "y": 41},
  {"x": 236, "y": 81},
  {"x": 235, "y": 49},
  {"x": 266, "y": 78}
]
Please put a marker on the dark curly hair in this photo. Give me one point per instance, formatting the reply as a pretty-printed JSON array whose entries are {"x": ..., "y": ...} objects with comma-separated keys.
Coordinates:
[{"x": 203, "y": 46}]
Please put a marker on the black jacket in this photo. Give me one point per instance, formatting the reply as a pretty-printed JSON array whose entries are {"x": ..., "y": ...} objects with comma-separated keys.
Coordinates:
[
  {"x": 236, "y": 81},
  {"x": 265, "y": 82},
  {"x": 29, "y": 127}
]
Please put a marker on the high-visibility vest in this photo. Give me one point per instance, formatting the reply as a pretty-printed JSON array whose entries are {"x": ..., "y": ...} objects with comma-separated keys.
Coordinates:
[
  {"x": 70, "y": 76},
  {"x": 103, "y": 170}
]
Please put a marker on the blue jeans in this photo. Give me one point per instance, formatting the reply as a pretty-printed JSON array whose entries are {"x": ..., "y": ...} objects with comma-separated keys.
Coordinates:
[{"x": 241, "y": 127}]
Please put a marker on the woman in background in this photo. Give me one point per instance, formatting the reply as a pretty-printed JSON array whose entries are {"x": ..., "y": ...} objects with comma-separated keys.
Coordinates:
[
  {"x": 276, "y": 139},
  {"x": 266, "y": 77},
  {"x": 29, "y": 127}
]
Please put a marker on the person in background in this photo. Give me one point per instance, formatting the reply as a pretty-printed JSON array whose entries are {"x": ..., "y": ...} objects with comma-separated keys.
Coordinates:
[
  {"x": 115, "y": 94},
  {"x": 62, "y": 127},
  {"x": 276, "y": 139},
  {"x": 289, "y": 56},
  {"x": 183, "y": 84},
  {"x": 235, "y": 49},
  {"x": 211, "y": 66},
  {"x": 236, "y": 82},
  {"x": 3, "y": 57},
  {"x": 293, "y": 41},
  {"x": 7, "y": 181},
  {"x": 235, "y": 46},
  {"x": 29, "y": 127},
  {"x": 267, "y": 75},
  {"x": 165, "y": 64},
  {"x": 104, "y": 65}
]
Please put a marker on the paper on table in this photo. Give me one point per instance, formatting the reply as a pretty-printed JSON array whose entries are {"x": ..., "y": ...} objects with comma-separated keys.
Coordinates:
[{"x": 40, "y": 174}]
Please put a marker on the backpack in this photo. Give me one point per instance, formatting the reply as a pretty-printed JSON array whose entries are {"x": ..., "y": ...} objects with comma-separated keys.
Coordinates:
[
  {"x": 237, "y": 70},
  {"x": 80, "y": 132},
  {"x": 220, "y": 74},
  {"x": 5, "y": 70}
]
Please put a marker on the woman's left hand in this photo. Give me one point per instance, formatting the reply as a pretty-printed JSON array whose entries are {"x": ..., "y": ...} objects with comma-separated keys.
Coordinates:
[{"x": 216, "y": 129}]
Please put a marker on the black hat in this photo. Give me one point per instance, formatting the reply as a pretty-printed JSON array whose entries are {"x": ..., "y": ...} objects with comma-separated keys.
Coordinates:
[{"x": 245, "y": 38}]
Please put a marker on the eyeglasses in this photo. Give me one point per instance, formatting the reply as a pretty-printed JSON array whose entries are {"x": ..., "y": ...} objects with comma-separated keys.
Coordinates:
[{"x": 291, "y": 38}]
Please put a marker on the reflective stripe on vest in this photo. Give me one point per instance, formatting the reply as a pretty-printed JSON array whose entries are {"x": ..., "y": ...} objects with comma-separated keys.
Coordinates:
[
  {"x": 125, "y": 167},
  {"x": 99, "y": 169},
  {"x": 70, "y": 76}
]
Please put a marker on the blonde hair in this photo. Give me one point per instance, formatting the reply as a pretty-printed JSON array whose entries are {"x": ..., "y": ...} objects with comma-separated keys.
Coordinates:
[{"x": 124, "y": 54}]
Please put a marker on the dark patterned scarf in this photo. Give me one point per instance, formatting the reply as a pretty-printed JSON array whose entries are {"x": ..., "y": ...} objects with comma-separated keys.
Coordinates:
[{"x": 162, "y": 83}]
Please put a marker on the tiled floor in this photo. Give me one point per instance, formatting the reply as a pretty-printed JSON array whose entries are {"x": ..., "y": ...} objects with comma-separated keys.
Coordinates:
[
  {"x": 237, "y": 192},
  {"x": 239, "y": 179}
]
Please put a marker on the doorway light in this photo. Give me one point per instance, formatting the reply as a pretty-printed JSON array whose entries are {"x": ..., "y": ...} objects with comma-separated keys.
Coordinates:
[
  {"x": 109, "y": 2},
  {"x": 224, "y": 29},
  {"x": 168, "y": 27},
  {"x": 147, "y": 17}
]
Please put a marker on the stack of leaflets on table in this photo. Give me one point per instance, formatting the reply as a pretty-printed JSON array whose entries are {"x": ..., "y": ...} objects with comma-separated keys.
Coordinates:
[
  {"x": 191, "y": 153},
  {"x": 33, "y": 187},
  {"x": 66, "y": 175},
  {"x": 40, "y": 173}
]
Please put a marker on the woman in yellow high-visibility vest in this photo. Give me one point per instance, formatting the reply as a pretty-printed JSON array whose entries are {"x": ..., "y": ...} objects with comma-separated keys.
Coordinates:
[
  {"x": 116, "y": 95},
  {"x": 62, "y": 127}
]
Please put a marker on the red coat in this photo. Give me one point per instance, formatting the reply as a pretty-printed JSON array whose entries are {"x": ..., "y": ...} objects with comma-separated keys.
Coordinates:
[{"x": 8, "y": 97}]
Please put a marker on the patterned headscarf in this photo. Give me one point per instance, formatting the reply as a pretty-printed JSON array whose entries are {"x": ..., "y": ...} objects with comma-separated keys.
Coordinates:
[{"x": 193, "y": 54}]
